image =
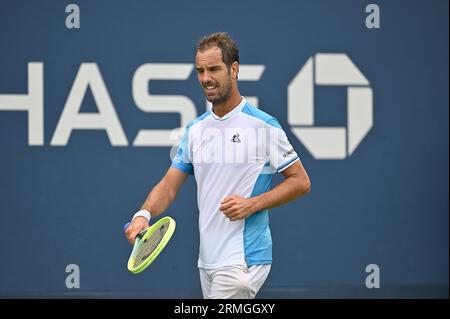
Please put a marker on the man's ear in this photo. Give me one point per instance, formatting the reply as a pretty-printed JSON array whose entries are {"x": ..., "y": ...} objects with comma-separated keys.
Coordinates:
[{"x": 235, "y": 70}]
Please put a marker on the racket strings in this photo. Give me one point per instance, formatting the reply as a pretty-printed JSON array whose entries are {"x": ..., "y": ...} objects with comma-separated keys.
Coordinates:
[{"x": 148, "y": 244}]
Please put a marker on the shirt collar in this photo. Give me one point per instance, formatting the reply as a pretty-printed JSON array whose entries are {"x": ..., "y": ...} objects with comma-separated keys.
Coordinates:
[{"x": 234, "y": 111}]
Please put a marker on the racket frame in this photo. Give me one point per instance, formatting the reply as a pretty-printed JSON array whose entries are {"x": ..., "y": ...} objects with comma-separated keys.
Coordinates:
[{"x": 146, "y": 234}]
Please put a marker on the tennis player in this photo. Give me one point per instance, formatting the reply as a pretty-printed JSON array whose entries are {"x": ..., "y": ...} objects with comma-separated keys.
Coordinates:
[{"x": 233, "y": 151}]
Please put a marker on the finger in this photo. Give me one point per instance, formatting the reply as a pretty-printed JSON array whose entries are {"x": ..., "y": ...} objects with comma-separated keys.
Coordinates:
[
  {"x": 230, "y": 210},
  {"x": 133, "y": 231},
  {"x": 227, "y": 199},
  {"x": 132, "y": 236},
  {"x": 128, "y": 231},
  {"x": 226, "y": 206},
  {"x": 130, "y": 239},
  {"x": 235, "y": 216}
]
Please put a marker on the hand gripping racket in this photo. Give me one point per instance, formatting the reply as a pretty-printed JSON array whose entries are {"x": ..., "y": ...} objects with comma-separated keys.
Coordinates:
[{"x": 149, "y": 244}]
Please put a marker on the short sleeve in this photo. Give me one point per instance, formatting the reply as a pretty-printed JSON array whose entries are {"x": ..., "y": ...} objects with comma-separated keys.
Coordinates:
[
  {"x": 280, "y": 152},
  {"x": 182, "y": 161}
]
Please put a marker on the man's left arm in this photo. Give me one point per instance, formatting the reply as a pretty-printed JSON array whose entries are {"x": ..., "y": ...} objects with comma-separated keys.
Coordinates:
[{"x": 296, "y": 184}]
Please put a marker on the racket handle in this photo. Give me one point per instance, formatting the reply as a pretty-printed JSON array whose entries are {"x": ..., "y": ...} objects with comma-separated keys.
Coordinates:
[
  {"x": 138, "y": 235},
  {"x": 126, "y": 226}
]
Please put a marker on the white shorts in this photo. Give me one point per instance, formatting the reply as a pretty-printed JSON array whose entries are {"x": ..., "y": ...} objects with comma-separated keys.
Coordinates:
[{"x": 233, "y": 282}]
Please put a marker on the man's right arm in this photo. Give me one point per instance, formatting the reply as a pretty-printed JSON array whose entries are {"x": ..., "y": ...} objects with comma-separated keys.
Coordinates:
[{"x": 158, "y": 200}]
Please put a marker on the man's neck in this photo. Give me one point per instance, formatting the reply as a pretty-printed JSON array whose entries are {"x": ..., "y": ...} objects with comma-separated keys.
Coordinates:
[{"x": 223, "y": 108}]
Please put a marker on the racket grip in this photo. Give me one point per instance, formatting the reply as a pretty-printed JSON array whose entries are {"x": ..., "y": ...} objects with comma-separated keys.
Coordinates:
[{"x": 126, "y": 226}]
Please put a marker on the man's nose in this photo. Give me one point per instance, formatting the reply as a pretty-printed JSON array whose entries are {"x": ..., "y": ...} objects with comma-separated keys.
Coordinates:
[{"x": 206, "y": 77}]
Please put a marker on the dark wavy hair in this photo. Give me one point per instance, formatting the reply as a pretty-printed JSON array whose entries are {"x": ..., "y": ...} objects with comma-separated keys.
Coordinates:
[{"x": 230, "y": 51}]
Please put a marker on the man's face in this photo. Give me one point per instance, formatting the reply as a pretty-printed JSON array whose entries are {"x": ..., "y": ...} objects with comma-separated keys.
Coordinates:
[{"x": 213, "y": 75}]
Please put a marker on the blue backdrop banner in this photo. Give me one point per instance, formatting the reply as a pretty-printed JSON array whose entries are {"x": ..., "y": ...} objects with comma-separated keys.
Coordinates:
[{"x": 92, "y": 98}]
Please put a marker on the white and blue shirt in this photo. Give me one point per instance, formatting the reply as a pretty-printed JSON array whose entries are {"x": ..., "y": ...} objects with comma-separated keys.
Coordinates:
[{"x": 236, "y": 154}]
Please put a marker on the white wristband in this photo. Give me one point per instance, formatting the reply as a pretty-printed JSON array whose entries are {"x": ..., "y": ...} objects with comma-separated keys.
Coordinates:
[{"x": 143, "y": 213}]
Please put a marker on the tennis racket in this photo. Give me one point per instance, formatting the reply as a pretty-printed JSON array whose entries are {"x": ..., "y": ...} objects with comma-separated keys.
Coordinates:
[{"x": 149, "y": 244}]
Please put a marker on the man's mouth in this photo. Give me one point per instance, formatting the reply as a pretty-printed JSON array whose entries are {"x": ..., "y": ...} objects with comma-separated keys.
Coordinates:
[{"x": 210, "y": 89}]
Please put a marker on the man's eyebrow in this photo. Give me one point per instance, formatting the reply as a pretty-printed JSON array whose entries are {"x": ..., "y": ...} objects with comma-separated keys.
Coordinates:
[{"x": 208, "y": 67}]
